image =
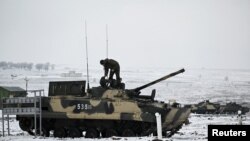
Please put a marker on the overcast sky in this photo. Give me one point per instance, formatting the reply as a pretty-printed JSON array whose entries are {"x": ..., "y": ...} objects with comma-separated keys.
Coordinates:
[{"x": 142, "y": 33}]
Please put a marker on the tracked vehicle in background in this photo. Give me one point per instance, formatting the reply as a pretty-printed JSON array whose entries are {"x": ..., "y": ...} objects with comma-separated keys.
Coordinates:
[
  {"x": 207, "y": 107},
  {"x": 103, "y": 111}
]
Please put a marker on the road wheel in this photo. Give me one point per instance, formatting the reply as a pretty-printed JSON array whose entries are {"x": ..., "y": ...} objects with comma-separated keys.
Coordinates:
[
  {"x": 128, "y": 133},
  {"x": 110, "y": 133},
  {"x": 60, "y": 133},
  {"x": 74, "y": 133},
  {"x": 26, "y": 124},
  {"x": 92, "y": 133}
]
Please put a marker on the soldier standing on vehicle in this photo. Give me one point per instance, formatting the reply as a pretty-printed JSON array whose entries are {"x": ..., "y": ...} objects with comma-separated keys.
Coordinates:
[{"x": 112, "y": 67}]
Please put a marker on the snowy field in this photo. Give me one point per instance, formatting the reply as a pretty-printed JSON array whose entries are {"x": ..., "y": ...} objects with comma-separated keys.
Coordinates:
[{"x": 195, "y": 85}]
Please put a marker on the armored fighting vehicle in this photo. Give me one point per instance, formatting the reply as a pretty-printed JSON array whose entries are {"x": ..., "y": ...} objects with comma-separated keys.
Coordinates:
[
  {"x": 233, "y": 108},
  {"x": 207, "y": 107},
  {"x": 104, "y": 111}
]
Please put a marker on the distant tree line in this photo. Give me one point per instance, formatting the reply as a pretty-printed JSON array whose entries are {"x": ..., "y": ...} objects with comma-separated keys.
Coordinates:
[{"x": 26, "y": 66}]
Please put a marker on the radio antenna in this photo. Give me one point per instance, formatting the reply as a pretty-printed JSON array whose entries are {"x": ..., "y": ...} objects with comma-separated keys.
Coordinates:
[
  {"x": 107, "y": 45},
  {"x": 86, "y": 40}
]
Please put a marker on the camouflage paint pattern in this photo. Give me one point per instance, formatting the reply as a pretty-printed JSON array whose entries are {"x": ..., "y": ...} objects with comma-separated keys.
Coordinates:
[{"x": 115, "y": 105}]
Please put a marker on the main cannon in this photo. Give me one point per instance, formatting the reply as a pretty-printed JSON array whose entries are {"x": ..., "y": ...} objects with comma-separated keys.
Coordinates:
[
  {"x": 136, "y": 91},
  {"x": 158, "y": 80}
]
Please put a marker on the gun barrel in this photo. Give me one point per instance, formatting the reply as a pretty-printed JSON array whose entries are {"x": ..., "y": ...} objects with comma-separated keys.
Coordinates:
[{"x": 158, "y": 80}]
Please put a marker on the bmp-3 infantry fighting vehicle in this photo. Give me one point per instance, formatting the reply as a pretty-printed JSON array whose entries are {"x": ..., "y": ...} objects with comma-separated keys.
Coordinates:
[
  {"x": 103, "y": 111},
  {"x": 207, "y": 107}
]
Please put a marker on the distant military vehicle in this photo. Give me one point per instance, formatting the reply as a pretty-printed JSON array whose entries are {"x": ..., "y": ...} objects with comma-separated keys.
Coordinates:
[
  {"x": 205, "y": 107},
  {"x": 208, "y": 107},
  {"x": 104, "y": 111},
  {"x": 232, "y": 108}
]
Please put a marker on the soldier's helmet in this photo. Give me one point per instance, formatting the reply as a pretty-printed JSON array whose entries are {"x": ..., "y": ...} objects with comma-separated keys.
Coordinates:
[{"x": 102, "y": 62}]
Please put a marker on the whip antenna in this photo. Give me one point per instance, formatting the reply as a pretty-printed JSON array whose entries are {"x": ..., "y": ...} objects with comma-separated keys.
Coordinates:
[
  {"x": 87, "y": 55},
  {"x": 107, "y": 45}
]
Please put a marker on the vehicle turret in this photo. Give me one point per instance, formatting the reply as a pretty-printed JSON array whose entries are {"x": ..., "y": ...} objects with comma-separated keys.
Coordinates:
[{"x": 115, "y": 89}]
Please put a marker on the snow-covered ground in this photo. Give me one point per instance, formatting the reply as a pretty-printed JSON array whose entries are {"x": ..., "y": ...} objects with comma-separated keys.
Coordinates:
[
  {"x": 195, "y": 85},
  {"x": 196, "y": 130}
]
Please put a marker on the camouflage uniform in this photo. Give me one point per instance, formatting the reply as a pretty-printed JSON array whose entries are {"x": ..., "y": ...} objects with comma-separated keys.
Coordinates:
[{"x": 113, "y": 66}]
